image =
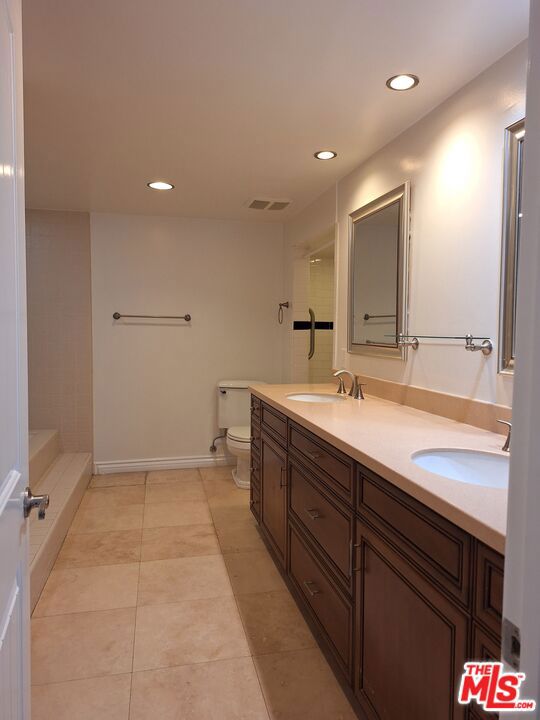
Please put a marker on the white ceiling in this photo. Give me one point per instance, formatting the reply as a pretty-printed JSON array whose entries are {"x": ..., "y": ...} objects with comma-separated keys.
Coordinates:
[{"x": 228, "y": 99}]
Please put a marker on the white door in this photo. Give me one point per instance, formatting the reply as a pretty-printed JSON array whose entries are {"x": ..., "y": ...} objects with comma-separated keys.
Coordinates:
[{"x": 14, "y": 579}]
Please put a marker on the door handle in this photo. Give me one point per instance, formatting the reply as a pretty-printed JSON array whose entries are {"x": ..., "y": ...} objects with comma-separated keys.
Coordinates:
[
  {"x": 311, "y": 590},
  {"x": 35, "y": 501},
  {"x": 311, "y": 334}
]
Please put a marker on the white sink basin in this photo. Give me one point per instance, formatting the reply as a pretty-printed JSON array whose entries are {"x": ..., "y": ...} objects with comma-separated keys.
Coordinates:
[
  {"x": 473, "y": 467},
  {"x": 315, "y": 397}
]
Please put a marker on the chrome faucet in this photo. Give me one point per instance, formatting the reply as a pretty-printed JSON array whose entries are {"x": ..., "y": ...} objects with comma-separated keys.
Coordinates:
[
  {"x": 356, "y": 391},
  {"x": 506, "y": 446}
]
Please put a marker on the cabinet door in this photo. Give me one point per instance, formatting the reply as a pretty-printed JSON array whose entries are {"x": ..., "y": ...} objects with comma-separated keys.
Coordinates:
[
  {"x": 274, "y": 495},
  {"x": 411, "y": 641}
]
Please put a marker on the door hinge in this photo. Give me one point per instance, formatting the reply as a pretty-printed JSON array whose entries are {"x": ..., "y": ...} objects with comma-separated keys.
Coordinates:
[{"x": 511, "y": 644}]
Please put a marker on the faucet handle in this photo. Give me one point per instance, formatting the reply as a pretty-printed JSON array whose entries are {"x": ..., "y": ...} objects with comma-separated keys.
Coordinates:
[
  {"x": 358, "y": 392},
  {"x": 506, "y": 446},
  {"x": 341, "y": 388}
]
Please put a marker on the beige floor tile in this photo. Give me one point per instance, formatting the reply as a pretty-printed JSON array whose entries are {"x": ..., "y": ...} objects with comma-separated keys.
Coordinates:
[
  {"x": 179, "y": 541},
  {"x": 189, "y": 578},
  {"x": 114, "y": 496},
  {"x": 299, "y": 685},
  {"x": 253, "y": 572},
  {"x": 82, "y": 645},
  {"x": 273, "y": 623},
  {"x": 189, "y": 512},
  {"x": 175, "y": 492},
  {"x": 222, "y": 690},
  {"x": 116, "y": 479},
  {"x": 188, "y": 632},
  {"x": 240, "y": 537},
  {"x": 236, "y": 528},
  {"x": 166, "y": 476},
  {"x": 226, "y": 515},
  {"x": 107, "y": 519},
  {"x": 74, "y": 590},
  {"x": 222, "y": 491},
  {"x": 104, "y": 698},
  {"x": 222, "y": 472},
  {"x": 108, "y": 548}
]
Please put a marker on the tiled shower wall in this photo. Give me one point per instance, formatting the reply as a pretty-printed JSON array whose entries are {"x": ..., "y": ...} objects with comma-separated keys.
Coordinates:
[
  {"x": 60, "y": 326},
  {"x": 321, "y": 299},
  {"x": 313, "y": 286}
]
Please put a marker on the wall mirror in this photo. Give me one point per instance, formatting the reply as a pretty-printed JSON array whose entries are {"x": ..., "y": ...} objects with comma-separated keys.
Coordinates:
[
  {"x": 378, "y": 274},
  {"x": 513, "y": 176}
]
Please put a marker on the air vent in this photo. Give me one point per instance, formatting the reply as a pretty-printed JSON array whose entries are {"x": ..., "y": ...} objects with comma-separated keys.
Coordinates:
[
  {"x": 279, "y": 205},
  {"x": 268, "y": 204},
  {"x": 259, "y": 204}
]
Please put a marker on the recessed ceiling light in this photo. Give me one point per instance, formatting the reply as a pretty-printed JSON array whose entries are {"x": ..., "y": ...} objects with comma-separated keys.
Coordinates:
[
  {"x": 402, "y": 82},
  {"x": 325, "y": 154},
  {"x": 160, "y": 185}
]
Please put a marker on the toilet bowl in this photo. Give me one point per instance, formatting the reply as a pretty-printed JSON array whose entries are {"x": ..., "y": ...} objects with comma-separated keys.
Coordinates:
[
  {"x": 239, "y": 445},
  {"x": 234, "y": 415}
]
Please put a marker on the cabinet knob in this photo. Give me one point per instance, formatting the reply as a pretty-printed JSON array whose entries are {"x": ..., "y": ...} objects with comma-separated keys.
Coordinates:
[
  {"x": 313, "y": 455},
  {"x": 313, "y": 513}
]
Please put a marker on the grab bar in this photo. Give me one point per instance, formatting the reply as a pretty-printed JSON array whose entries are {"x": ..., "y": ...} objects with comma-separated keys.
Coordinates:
[
  {"x": 311, "y": 334},
  {"x": 187, "y": 318}
]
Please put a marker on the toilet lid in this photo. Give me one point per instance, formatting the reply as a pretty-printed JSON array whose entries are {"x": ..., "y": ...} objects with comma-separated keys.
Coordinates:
[{"x": 242, "y": 433}]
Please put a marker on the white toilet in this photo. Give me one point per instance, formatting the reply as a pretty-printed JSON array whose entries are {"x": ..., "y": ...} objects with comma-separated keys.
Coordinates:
[{"x": 234, "y": 415}]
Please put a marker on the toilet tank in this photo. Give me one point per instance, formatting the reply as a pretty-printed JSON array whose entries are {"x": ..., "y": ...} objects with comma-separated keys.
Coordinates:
[{"x": 234, "y": 402}]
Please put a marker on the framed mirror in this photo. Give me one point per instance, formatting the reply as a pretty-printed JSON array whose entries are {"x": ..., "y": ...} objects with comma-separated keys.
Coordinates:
[
  {"x": 378, "y": 274},
  {"x": 513, "y": 177}
]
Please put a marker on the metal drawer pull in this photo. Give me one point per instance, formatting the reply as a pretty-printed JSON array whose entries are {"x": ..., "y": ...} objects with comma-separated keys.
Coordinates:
[
  {"x": 313, "y": 513},
  {"x": 312, "y": 591},
  {"x": 312, "y": 455}
]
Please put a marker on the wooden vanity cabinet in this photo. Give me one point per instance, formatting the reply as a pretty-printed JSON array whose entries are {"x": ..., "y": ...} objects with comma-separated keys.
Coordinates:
[
  {"x": 273, "y": 515},
  {"x": 410, "y": 640},
  {"x": 400, "y": 596}
]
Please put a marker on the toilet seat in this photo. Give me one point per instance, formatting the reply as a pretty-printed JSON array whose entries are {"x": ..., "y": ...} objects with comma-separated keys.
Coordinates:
[{"x": 240, "y": 433}]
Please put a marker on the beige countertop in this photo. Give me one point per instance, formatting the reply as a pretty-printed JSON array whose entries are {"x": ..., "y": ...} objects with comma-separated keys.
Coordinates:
[{"x": 382, "y": 435}]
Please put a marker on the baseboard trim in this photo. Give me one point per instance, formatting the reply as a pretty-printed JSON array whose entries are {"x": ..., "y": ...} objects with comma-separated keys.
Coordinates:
[{"x": 106, "y": 467}]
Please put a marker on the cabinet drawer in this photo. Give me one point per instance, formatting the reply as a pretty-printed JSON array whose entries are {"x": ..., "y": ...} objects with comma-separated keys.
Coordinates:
[
  {"x": 489, "y": 588},
  {"x": 255, "y": 408},
  {"x": 255, "y": 502},
  {"x": 255, "y": 476},
  {"x": 439, "y": 548},
  {"x": 327, "y": 524},
  {"x": 335, "y": 468},
  {"x": 275, "y": 422},
  {"x": 330, "y": 609}
]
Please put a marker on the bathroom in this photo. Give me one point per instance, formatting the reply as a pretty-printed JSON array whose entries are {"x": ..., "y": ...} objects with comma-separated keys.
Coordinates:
[{"x": 269, "y": 448}]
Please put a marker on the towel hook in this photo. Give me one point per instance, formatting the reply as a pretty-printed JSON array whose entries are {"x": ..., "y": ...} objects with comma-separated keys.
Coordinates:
[{"x": 280, "y": 311}]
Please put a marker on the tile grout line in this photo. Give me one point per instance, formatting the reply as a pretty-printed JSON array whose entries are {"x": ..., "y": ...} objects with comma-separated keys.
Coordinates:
[{"x": 136, "y": 607}]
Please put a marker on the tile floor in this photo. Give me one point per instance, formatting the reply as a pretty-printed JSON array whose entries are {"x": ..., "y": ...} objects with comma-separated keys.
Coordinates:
[{"x": 164, "y": 603}]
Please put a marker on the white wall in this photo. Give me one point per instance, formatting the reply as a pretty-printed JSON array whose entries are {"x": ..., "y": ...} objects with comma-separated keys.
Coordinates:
[
  {"x": 454, "y": 160},
  {"x": 60, "y": 325},
  {"x": 155, "y": 385}
]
